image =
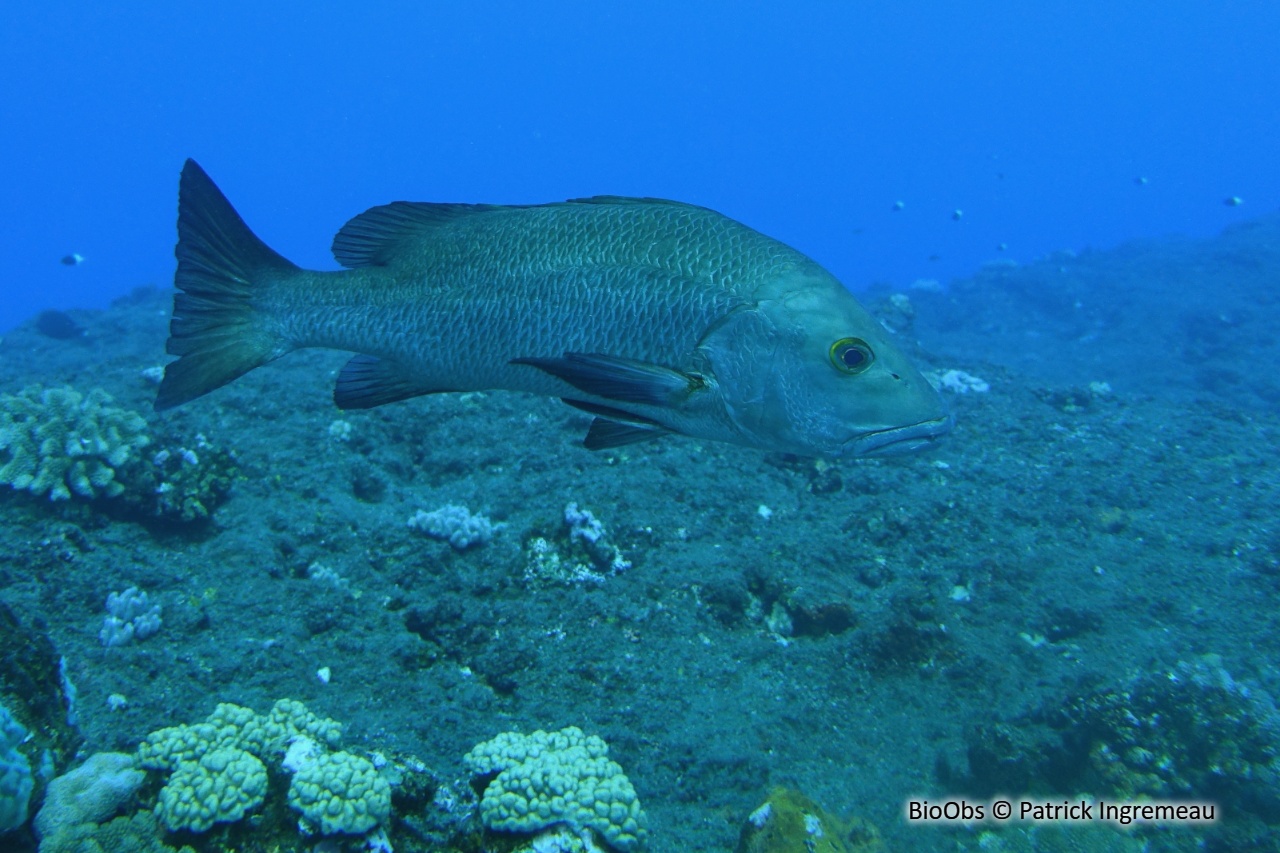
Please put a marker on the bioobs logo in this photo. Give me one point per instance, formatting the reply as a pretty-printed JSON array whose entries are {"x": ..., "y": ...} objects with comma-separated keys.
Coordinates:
[
  {"x": 949, "y": 811},
  {"x": 1077, "y": 810}
]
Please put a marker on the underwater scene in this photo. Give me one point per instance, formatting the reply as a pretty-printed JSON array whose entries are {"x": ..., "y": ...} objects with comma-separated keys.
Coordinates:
[{"x": 621, "y": 524}]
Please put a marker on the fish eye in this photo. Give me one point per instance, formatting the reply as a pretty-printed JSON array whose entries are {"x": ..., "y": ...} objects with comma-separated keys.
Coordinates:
[{"x": 851, "y": 355}]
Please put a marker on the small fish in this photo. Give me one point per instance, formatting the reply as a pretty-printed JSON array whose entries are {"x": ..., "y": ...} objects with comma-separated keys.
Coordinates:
[
  {"x": 74, "y": 259},
  {"x": 654, "y": 316}
]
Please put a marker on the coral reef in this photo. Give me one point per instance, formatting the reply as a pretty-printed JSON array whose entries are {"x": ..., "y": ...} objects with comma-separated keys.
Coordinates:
[
  {"x": 266, "y": 736},
  {"x": 1190, "y": 731},
  {"x": 340, "y": 793},
  {"x": 454, "y": 524},
  {"x": 90, "y": 794},
  {"x": 587, "y": 531},
  {"x": 532, "y": 782},
  {"x": 16, "y": 782},
  {"x": 586, "y": 555},
  {"x": 221, "y": 784},
  {"x": 37, "y": 714},
  {"x": 1187, "y": 732},
  {"x": 139, "y": 832},
  {"x": 216, "y": 768},
  {"x": 222, "y": 787},
  {"x": 790, "y": 822},
  {"x": 130, "y": 616},
  {"x": 64, "y": 444},
  {"x": 180, "y": 484},
  {"x": 545, "y": 566},
  {"x": 59, "y": 442},
  {"x": 958, "y": 382}
]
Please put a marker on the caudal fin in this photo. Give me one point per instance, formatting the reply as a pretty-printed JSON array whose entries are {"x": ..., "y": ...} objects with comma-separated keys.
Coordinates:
[{"x": 217, "y": 331}]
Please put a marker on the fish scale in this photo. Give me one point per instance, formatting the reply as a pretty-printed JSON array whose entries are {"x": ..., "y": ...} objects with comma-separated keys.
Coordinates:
[{"x": 655, "y": 316}]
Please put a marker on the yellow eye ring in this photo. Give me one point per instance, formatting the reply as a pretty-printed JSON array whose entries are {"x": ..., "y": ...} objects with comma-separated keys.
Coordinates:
[{"x": 851, "y": 355}]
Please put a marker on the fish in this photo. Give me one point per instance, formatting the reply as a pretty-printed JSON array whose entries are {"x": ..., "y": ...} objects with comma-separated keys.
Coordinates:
[
  {"x": 58, "y": 325},
  {"x": 655, "y": 317}
]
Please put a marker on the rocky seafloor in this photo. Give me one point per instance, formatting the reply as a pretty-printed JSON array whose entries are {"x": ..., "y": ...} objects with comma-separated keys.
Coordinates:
[{"x": 1073, "y": 595}]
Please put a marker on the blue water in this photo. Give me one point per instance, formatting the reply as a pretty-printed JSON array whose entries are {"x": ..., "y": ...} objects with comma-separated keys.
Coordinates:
[
  {"x": 1068, "y": 217},
  {"x": 808, "y": 122}
]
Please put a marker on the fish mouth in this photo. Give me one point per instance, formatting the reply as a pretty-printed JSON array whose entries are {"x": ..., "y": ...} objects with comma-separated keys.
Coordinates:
[{"x": 899, "y": 440}]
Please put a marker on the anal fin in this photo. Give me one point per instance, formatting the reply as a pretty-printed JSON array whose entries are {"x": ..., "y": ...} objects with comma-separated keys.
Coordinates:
[{"x": 367, "y": 381}]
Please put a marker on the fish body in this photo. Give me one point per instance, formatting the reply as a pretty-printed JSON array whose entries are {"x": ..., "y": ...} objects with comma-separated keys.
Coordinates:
[{"x": 654, "y": 316}]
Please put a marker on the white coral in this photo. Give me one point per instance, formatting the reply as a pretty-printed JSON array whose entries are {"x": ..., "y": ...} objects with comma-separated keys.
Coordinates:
[
  {"x": 959, "y": 382},
  {"x": 455, "y": 524},
  {"x": 588, "y": 531},
  {"x": 130, "y": 616}
]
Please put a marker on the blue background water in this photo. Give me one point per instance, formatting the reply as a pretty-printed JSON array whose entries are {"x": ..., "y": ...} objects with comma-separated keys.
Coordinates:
[
  {"x": 1081, "y": 578},
  {"x": 807, "y": 121}
]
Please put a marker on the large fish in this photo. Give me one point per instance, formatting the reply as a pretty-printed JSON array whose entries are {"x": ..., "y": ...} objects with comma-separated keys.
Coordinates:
[{"x": 654, "y": 316}]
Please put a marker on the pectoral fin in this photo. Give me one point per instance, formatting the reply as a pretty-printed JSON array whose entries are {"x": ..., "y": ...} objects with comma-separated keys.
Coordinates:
[{"x": 621, "y": 379}]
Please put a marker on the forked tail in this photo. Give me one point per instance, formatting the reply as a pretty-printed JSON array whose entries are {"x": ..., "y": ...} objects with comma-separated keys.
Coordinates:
[{"x": 218, "y": 331}]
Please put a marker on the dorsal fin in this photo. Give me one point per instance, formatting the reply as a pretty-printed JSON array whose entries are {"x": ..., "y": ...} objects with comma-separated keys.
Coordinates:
[
  {"x": 373, "y": 238},
  {"x": 627, "y": 199}
]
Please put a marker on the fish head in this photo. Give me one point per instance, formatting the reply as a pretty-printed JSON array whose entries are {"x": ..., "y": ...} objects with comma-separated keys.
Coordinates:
[{"x": 806, "y": 369}]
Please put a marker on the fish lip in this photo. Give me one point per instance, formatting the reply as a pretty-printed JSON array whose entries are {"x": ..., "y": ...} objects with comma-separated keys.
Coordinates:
[{"x": 901, "y": 439}]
